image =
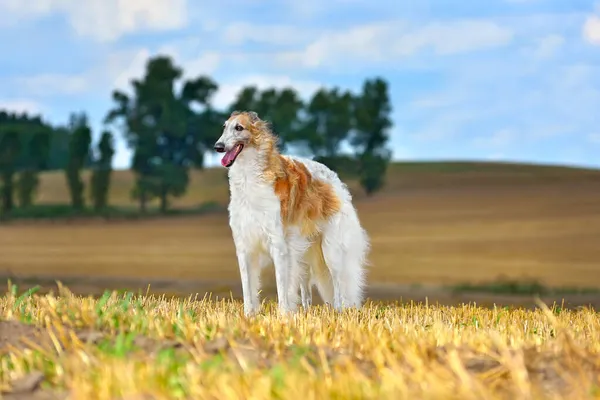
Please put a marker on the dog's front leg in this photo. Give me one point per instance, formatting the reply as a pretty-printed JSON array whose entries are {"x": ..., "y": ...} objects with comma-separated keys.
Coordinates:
[
  {"x": 282, "y": 262},
  {"x": 248, "y": 276},
  {"x": 249, "y": 289}
]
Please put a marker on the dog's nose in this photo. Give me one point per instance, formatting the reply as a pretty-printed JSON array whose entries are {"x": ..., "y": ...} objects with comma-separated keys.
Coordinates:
[{"x": 219, "y": 147}]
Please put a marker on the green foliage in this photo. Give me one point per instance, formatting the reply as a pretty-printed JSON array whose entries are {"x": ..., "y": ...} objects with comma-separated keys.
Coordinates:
[
  {"x": 170, "y": 123},
  {"x": 27, "y": 184},
  {"x": 79, "y": 155},
  {"x": 282, "y": 108},
  {"x": 10, "y": 147},
  {"x": 329, "y": 120},
  {"x": 372, "y": 169},
  {"x": 169, "y": 131},
  {"x": 372, "y": 113},
  {"x": 28, "y": 127},
  {"x": 35, "y": 159},
  {"x": 100, "y": 181},
  {"x": 521, "y": 287}
]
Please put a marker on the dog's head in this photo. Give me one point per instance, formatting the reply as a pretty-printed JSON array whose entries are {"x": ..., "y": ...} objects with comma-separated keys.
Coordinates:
[{"x": 241, "y": 130}]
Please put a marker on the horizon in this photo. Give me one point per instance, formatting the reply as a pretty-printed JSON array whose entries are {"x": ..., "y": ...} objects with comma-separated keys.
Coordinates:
[{"x": 510, "y": 81}]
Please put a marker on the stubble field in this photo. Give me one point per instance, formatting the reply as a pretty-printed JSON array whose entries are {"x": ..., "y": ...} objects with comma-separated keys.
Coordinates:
[
  {"x": 434, "y": 225},
  {"x": 138, "y": 347}
]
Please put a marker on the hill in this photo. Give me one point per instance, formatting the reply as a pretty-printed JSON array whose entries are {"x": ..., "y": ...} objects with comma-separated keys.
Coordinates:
[
  {"x": 433, "y": 224},
  {"x": 210, "y": 184}
]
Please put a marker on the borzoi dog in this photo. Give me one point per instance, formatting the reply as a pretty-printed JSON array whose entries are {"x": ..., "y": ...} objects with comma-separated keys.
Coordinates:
[{"x": 294, "y": 213}]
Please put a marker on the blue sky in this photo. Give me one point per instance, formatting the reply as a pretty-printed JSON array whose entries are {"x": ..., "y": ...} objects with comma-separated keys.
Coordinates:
[{"x": 514, "y": 80}]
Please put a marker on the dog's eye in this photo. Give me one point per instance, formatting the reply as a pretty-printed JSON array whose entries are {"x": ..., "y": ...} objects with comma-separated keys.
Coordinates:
[{"x": 239, "y": 128}]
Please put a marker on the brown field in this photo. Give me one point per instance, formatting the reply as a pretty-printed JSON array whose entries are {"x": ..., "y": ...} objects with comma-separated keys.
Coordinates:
[{"x": 433, "y": 224}]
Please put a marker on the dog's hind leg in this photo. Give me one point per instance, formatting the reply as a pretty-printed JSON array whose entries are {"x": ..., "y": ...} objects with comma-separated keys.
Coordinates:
[
  {"x": 306, "y": 286},
  {"x": 299, "y": 276},
  {"x": 345, "y": 245},
  {"x": 317, "y": 273}
]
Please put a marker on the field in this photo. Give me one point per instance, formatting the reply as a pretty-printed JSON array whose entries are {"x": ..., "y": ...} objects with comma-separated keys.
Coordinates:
[
  {"x": 434, "y": 226},
  {"x": 180, "y": 331},
  {"x": 137, "y": 347}
]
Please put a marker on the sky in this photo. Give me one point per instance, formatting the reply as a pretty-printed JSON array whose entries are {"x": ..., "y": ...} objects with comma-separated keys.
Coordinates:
[{"x": 507, "y": 80}]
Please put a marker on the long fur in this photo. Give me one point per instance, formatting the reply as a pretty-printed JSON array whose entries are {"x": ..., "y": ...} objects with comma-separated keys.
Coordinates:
[{"x": 296, "y": 214}]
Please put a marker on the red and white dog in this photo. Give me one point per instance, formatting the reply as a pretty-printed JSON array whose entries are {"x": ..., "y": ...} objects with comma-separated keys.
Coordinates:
[{"x": 293, "y": 212}]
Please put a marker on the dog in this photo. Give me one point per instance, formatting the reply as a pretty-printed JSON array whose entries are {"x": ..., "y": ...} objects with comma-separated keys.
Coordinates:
[{"x": 293, "y": 213}]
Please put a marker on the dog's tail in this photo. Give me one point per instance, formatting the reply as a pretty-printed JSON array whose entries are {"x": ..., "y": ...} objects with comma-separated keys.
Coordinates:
[{"x": 345, "y": 248}]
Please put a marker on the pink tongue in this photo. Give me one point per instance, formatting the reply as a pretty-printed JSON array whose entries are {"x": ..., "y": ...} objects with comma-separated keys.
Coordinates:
[{"x": 230, "y": 155}]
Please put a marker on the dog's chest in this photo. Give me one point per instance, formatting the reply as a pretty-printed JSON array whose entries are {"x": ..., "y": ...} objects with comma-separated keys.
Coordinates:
[{"x": 253, "y": 209}]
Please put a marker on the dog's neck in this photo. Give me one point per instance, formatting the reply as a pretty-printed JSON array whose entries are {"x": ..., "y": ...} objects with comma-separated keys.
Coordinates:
[{"x": 260, "y": 164}]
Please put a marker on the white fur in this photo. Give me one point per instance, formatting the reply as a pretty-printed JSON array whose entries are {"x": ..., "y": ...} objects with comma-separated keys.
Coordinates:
[{"x": 260, "y": 238}]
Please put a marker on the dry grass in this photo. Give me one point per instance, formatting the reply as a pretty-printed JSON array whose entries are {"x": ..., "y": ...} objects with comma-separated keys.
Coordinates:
[
  {"x": 138, "y": 347},
  {"x": 209, "y": 185},
  {"x": 433, "y": 224}
]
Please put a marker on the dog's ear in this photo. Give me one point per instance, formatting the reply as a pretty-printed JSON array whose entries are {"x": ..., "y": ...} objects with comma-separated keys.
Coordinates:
[
  {"x": 253, "y": 116},
  {"x": 234, "y": 113}
]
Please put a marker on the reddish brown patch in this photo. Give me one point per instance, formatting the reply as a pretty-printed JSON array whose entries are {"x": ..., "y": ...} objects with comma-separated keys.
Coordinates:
[{"x": 304, "y": 200}]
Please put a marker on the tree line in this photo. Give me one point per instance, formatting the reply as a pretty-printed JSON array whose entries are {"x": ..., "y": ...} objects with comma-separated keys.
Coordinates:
[{"x": 170, "y": 124}]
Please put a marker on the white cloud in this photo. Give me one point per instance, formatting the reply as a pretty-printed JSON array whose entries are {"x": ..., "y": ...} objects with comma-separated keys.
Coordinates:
[
  {"x": 313, "y": 8},
  {"x": 115, "y": 71},
  {"x": 228, "y": 90},
  {"x": 548, "y": 46},
  {"x": 395, "y": 39},
  {"x": 122, "y": 67},
  {"x": 540, "y": 100},
  {"x": 444, "y": 125},
  {"x": 21, "y": 106},
  {"x": 438, "y": 100},
  {"x": 187, "y": 54},
  {"x": 591, "y": 30},
  {"x": 242, "y": 32},
  {"x": 48, "y": 85},
  {"x": 102, "y": 20}
]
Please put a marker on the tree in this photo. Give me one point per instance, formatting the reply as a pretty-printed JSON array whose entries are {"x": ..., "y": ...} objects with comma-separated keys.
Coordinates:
[
  {"x": 372, "y": 115},
  {"x": 34, "y": 160},
  {"x": 10, "y": 147},
  {"x": 79, "y": 156},
  {"x": 27, "y": 127},
  {"x": 372, "y": 169},
  {"x": 100, "y": 181},
  {"x": 280, "y": 107},
  {"x": 58, "y": 155},
  {"x": 163, "y": 127},
  {"x": 284, "y": 113},
  {"x": 139, "y": 139},
  {"x": 328, "y": 121}
]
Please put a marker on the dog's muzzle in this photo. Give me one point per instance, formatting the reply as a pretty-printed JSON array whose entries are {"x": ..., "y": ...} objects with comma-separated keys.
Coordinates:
[{"x": 219, "y": 147}]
